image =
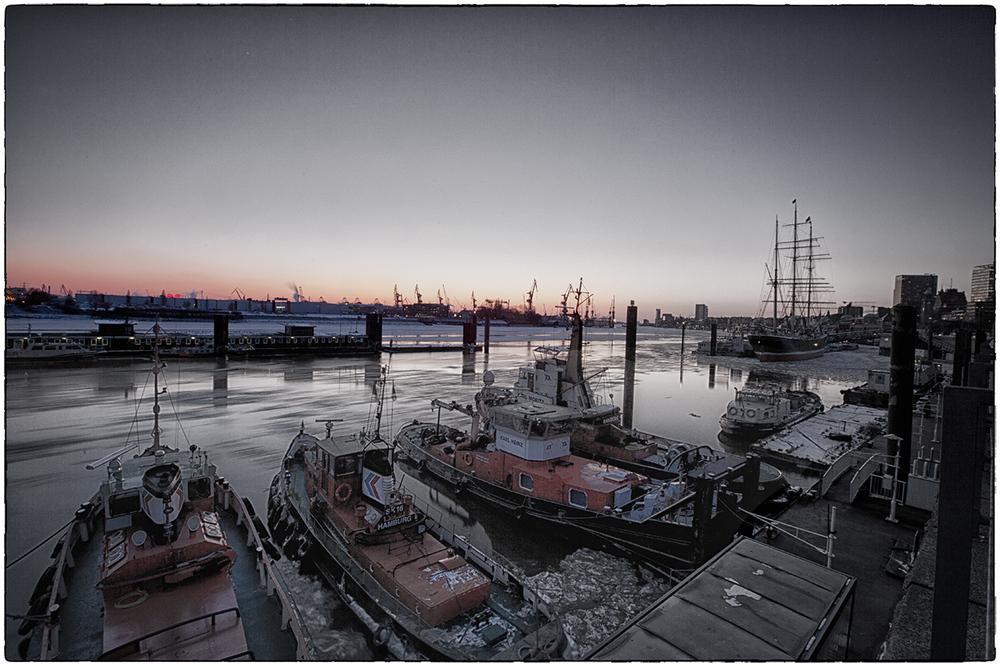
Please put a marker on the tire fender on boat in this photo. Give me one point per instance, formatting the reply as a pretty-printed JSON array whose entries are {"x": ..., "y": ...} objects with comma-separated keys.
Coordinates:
[
  {"x": 381, "y": 635},
  {"x": 468, "y": 459}
]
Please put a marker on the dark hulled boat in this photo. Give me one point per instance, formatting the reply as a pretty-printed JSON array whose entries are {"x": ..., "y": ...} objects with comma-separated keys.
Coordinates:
[
  {"x": 759, "y": 410},
  {"x": 557, "y": 378},
  {"x": 421, "y": 591},
  {"x": 793, "y": 335},
  {"x": 165, "y": 562},
  {"x": 519, "y": 460}
]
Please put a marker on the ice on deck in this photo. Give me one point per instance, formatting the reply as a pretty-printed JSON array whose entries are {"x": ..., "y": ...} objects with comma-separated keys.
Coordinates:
[{"x": 819, "y": 440}]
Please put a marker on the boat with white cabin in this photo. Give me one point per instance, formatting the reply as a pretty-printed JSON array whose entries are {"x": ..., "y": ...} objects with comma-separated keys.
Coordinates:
[
  {"x": 761, "y": 409},
  {"x": 165, "y": 562},
  {"x": 423, "y": 592}
]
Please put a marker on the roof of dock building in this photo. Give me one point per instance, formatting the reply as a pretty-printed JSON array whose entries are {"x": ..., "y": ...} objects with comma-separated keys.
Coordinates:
[{"x": 751, "y": 602}]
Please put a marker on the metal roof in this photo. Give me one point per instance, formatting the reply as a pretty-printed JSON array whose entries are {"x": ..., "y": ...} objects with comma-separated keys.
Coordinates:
[{"x": 751, "y": 602}]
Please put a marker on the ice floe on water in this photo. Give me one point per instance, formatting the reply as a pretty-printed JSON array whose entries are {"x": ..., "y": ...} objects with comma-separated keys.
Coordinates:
[
  {"x": 324, "y": 617},
  {"x": 596, "y": 593}
]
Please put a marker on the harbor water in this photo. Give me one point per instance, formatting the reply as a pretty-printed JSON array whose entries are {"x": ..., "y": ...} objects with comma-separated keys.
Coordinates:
[{"x": 245, "y": 413}]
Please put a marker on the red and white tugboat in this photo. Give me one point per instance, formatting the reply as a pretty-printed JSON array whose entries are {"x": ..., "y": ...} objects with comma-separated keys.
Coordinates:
[
  {"x": 422, "y": 592},
  {"x": 557, "y": 378},
  {"x": 520, "y": 459},
  {"x": 155, "y": 566}
]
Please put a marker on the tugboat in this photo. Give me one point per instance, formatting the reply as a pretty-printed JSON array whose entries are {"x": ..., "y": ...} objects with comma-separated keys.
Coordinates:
[
  {"x": 759, "y": 410},
  {"x": 165, "y": 562},
  {"x": 519, "y": 459},
  {"x": 422, "y": 592},
  {"x": 557, "y": 378}
]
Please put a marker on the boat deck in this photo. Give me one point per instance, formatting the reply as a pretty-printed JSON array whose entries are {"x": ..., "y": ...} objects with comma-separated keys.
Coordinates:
[
  {"x": 460, "y": 638},
  {"x": 82, "y": 610},
  {"x": 818, "y": 441}
]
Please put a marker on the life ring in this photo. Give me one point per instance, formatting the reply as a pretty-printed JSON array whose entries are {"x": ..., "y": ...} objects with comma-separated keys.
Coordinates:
[
  {"x": 751, "y": 413},
  {"x": 131, "y": 599},
  {"x": 468, "y": 459},
  {"x": 343, "y": 493}
]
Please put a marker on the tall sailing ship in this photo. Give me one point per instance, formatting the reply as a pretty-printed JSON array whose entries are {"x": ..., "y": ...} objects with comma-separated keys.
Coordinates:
[{"x": 794, "y": 333}]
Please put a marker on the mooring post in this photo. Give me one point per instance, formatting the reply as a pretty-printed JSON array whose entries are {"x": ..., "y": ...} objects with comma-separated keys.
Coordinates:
[
  {"x": 715, "y": 339},
  {"x": 486, "y": 335},
  {"x": 900, "y": 415},
  {"x": 631, "y": 324}
]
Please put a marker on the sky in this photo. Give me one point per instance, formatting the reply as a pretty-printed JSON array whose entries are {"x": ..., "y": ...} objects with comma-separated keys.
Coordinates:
[{"x": 350, "y": 151}]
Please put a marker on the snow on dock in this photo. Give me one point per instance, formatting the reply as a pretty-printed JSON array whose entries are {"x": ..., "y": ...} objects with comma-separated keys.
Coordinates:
[{"x": 818, "y": 441}]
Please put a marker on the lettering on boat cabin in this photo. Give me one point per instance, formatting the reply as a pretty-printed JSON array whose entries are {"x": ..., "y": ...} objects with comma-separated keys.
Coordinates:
[{"x": 532, "y": 449}]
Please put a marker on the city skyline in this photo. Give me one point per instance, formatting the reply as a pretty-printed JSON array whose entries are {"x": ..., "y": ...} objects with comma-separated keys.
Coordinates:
[{"x": 347, "y": 150}]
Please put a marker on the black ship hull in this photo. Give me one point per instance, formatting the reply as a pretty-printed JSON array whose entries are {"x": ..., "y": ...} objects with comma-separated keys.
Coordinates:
[{"x": 774, "y": 347}]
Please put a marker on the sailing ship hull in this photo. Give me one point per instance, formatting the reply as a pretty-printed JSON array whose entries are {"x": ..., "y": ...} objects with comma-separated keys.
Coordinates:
[{"x": 770, "y": 347}]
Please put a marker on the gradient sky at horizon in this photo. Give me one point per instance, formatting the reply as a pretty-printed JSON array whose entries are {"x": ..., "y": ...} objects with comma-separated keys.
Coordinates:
[{"x": 351, "y": 149}]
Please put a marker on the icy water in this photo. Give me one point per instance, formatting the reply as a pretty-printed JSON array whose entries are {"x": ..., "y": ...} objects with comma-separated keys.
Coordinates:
[{"x": 245, "y": 413}]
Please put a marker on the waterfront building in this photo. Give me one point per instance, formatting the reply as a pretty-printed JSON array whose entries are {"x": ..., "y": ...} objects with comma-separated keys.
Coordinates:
[
  {"x": 700, "y": 312},
  {"x": 911, "y": 289},
  {"x": 983, "y": 283}
]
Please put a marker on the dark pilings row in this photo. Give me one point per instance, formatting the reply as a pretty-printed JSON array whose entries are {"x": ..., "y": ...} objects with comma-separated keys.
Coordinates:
[
  {"x": 631, "y": 324},
  {"x": 900, "y": 416}
]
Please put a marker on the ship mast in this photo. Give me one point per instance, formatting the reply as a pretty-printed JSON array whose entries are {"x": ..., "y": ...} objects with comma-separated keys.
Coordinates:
[
  {"x": 795, "y": 259},
  {"x": 156, "y": 385},
  {"x": 775, "y": 273}
]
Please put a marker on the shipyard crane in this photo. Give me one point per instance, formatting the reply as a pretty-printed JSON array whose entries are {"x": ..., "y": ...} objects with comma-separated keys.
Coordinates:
[
  {"x": 416, "y": 290},
  {"x": 239, "y": 294},
  {"x": 531, "y": 295},
  {"x": 397, "y": 299}
]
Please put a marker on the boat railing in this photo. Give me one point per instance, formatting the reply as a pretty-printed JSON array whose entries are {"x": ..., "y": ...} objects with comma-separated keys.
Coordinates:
[
  {"x": 134, "y": 645},
  {"x": 78, "y": 529},
  {"x": 269, "y": 576},
  {"x": 365, "y": 579},
  {"x": 411, "y": 620},
  {"x": 499, "y": 567}
]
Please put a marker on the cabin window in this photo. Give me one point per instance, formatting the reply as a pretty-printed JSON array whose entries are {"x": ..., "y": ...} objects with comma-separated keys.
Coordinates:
[
  {"x": 199, "y": 488},
  {"x": 123, "y": 504},
  {"x": 345, "y": 465},
  {"x": 525, "y": 481},
  {"x": 577, "y": 498}
]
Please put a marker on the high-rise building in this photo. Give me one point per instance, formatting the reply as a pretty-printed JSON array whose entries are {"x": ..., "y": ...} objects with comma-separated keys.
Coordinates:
[
  {"x": 983, "y": 283},
  {"x": 700, "y": 312},
  {"x": 912, "y": 289}
]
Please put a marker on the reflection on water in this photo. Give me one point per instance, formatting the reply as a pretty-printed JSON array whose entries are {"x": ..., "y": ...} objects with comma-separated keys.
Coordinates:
[{"x": 245, "y": 413}]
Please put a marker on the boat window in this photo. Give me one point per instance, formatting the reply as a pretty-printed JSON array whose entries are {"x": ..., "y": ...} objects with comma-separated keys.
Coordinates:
[
  {"x": 577, "y": 498},
  {"x": 525, "y": 481},
  {"x": 346, "y": 465},
  {"x": 123, "y": 504},
  {"x": 199, "y": 488}
]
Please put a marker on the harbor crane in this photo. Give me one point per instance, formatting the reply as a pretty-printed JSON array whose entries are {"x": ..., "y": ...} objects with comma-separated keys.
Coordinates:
[
  {"x": 531, "y": 296},
  {"x": 416, "y": 290},
  {"x": 239, "y": 294}
]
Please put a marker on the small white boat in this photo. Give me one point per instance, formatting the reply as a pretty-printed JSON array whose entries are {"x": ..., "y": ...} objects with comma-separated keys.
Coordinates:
[{"x": 760, "y": 409}]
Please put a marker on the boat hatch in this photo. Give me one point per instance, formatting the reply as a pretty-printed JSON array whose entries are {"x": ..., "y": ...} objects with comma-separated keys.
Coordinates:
[{"x": 123, "y": 504}]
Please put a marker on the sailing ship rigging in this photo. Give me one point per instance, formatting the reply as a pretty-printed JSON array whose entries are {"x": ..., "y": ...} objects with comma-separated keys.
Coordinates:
[{"x": 794, "y": 296}]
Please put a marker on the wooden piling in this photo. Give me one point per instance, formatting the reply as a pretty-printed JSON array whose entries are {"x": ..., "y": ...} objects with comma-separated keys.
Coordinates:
[{"x": 631, "y": 324}]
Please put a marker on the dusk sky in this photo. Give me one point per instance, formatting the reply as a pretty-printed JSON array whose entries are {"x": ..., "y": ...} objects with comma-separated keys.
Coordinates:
[{"x": 350, "y": 149}]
